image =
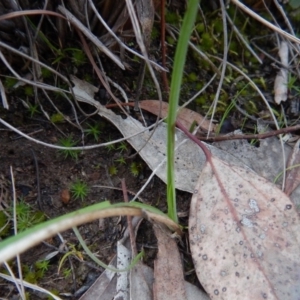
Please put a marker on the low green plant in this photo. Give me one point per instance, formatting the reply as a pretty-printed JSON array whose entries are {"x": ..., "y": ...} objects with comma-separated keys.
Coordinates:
[
  {"x": 42, "y": 265},
  {"x": 46, "y": 73},
  {"x": 72, "y": 252},
  {"x": 29, "y": 274},
  {"x": 67, "y": 272},
  {"x": 135, "y": 168},
  {"x": 9, "y": 82},
  {"x": 77, "y": 56},
  {"x": 35, "y": 272},
  {"x": 26, "y": 216},
  {"x": 28, "y": 90},
  {"x": 94, "y": 131},
  {"x": 121, "y": 161},
  {"x": 33, "y": 109},
  {"x": 110, "y": 147},
  {"x": 4, "y": 224},
  {"x": 54, "y": 292},
  {"x": 112, "y": 170},
  {"x": 122, "y": 147},
  {"x": 79, "y": 190},
  {"x": 57, "y": 118},
  {"x": 68, "y": 142}
]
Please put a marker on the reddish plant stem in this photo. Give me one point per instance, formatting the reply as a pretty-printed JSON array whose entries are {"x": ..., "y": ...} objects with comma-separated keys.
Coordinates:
[
  {"x": 194, "y": 139},
  {"x": 259, "y": 136}
]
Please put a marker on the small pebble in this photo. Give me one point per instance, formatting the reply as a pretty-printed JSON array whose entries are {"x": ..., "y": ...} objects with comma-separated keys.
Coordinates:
[{"x": 65, "y": 196}]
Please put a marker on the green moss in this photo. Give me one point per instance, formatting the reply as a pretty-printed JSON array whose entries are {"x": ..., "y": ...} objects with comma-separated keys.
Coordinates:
[
  {"x": 135, "y": 169},
  {"x": 172, "y": 17},
  {"x": 218, "y": 26},
  {"x": 94, "y": 131},
  {"x": 57, "y": 118},
  {"x": 200, "y": 27},
  {"x": 193, "y": 77},
  {"x": 79, "y": 190},
  {"x": 78, "y": 56},
  {"x": 170, "y": 40},
  {"x": 155, "y": 33},
  {"x": 4, "y": 224},
  {"x": 68, "y": 142},
  {"x": 28, "y": 90},
  {"x": 46, "y": 73},
  {"x": 201, "y": 100},
  {"x": 9, "y": 82},
  {"x": 206, "y": 41},
  {"x": 112, "y": 170}
]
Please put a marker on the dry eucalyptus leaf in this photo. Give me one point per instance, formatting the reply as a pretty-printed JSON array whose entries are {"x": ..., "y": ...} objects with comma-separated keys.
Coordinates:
[
  {"x": 189, "y": 159},
  {"x": 168, "y": 269},
  {"x": 186, "y": 117},
  {"x": 168, "y": 272},
  {"x": 244, "y": 235},
  {"x": 266, "y": 160},
  {"x": 292, "y": 180},
  {"x": 141, "y": 282},
  {"x": 123, "y": 261}
]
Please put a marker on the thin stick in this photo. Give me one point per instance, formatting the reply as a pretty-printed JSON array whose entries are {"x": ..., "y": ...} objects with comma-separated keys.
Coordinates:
[
  {"x": 39, "y": 199},
  {"x": 265, "y": 22},
  {"x": 16, "y": 228},
  {"x": 224, "y": 63},
  {"x": 259, "y": 136},
  {"x": 129, "y": 220}
]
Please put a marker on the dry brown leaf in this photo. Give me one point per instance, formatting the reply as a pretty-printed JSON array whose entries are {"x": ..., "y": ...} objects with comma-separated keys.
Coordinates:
[
  {"x": 292, "y": 180},
  {"x": 186, "y": 117},
  {"x": 168, "y": 271},
  {"x": 141, "y": 282},
  {"x": 244, "y": 235},
  {"x": 189, "y": 159}
]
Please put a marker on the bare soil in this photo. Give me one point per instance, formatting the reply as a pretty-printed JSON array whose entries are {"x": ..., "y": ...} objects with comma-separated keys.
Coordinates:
[{"x": 56, "y": 174}]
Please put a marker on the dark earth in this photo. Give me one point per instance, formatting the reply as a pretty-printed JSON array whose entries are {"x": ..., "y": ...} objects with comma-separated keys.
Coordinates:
[{"x": 56, "y": 174}]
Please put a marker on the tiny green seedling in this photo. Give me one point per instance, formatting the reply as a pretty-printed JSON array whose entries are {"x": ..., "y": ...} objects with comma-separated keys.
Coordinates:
[
  {"x": 9, "y": 82},
  {"x": 67, "y": 272},
  {"x": 68, "y": 142},
  {"x": 42, "y": 265},
  {"x": 112, "y": 170},
  {"x": 57, "y": 118},
  {"x": 73, "y": 251},
  {"x": 79, "y": 190},
  {"x": 121, "y": 161},
  {"x": 93, "y": 130},
  {"x": 110, "y": 147},
  {"x": 33, "y": 109},
  {"x": 78, "y": 56},
  {"x": 135, "y": 169},
  {"x": 26, "y": 216},
  {"x": 28, "y": 90},
  {"x": 122, "y": 147}
]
